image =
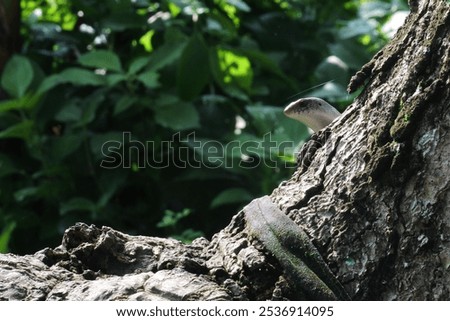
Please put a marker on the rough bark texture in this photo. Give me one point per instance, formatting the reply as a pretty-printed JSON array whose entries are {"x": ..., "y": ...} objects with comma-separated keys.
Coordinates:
[{"x": 372, "y": 192}]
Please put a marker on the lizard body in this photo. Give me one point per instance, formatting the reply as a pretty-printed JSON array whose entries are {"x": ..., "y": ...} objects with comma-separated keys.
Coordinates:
[{"x": 302, "y": 263}]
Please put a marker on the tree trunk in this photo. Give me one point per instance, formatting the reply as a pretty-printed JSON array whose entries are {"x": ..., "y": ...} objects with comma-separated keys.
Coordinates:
[
  {"x": 374, "y": 194},
  {"x": 371, "y": 191}
]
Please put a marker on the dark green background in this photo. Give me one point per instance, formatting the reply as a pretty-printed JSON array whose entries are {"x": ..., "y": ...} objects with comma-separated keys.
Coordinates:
[{"x": 91, "y": 70}]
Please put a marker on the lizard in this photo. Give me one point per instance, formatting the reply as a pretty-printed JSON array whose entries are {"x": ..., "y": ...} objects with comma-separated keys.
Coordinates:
[
  {"x": 314, "y": 112},
  {"x": 317, "y": 114},
  {"x": 302, "y": 263}
]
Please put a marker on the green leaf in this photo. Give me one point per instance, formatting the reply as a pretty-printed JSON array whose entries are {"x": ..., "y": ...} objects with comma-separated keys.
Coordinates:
[
  {"x": 114, "y": 79},
  {"x": 74, "y": 76},
  {"x": 82, "y": 77},
  {"x": 17, "y": 76},
  {"x": 5, "y": 236},
  {"x": 70, "y": 112},
  {"x": 236, "y": 69},
  {"x": 232, "y": 71},
  {"x": 124, "y": 103},
  {"x": 98, "y": 140},
  {"x": 146, "y": 40},
  {"x": 261, "y": 59},
  {"x": 374, "y": 9},
  {"x": 109, "y": 184},
  {"x": 171, "y": 218},
  {"x": 239, "y": 4},
  {"x": 165, "y": 55},
  {"x": 137, "y": 65},
  {"x": 193, "y": 69},
  {"x": 149, "y": 79},
  {"x": 21, "y": 130},
  {"x": 177, "y": 116},
  {"x": 330, "y": 90},
  {"x": 63, "y": 146},
  {"x": 332, "y": 68},
  {"x": 77, "y": 204},
  {"x": 90, "y": 107},
  {"x": 265, "y": 118},
  {"x": 101, "y": 59},
  {"x": 27, "y": 102},
  {"x": 174, "y": 44},
  {"x": 121, "y": 19},
  {"x": 26, "y": 192},
  {"x": 350, "y": 53},
  {"x": 356, "y": 28},
  {"x": 50, "y": 82},
  {"x": 81, "y": 111},
  {"x": 231, "y": 196}
]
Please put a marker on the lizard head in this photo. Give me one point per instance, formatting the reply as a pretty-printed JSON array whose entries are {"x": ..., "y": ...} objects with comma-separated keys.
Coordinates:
[{"x": 314, "y": 112}]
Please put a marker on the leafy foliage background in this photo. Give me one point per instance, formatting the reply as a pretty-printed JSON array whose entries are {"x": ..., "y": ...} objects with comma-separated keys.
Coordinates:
[{"x": 147, "y": 72}]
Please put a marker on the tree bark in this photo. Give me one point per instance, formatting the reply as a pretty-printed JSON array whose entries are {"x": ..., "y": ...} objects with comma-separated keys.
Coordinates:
[{"x": 372, "y": 191}]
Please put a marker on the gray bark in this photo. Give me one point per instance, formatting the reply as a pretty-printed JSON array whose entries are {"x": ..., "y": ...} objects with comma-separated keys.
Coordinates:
[{"x": 372, "y": 192}]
